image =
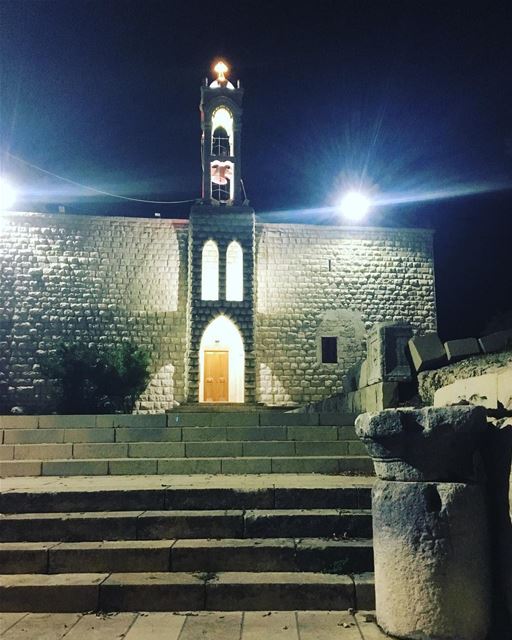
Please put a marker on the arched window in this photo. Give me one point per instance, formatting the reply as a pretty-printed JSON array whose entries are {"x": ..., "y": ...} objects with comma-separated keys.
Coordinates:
[
  {"x": 220, "y": 142},
  {"x": 234, "y": 272},
  {"x": 222, "y": 132},
  {"x": 210, "y": 271}
]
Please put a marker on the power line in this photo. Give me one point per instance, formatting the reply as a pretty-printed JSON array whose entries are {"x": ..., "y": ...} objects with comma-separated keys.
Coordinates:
[{"x": 84, "y": 186}]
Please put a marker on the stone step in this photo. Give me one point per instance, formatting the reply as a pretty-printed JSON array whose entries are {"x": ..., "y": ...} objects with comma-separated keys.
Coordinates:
[
  {"x": 207, "y": 449},
  {"x": 274, "y": 554},
  {"x": 356, "y": 464},
  {"x": 176, "y": 419},
  {"x": 158, "y": 525},
  {"x": 126, "y": 434},
  {"x": 172, "y": 542},
  {"x": 225, "y": 407},
  {"x": 206, "y": 555},
  {"x": 165, "y": 591},
  {"x": 57, "y": 499}
]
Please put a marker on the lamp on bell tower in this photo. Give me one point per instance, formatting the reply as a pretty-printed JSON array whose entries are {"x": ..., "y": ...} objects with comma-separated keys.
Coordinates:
[
  {"x": 220, "y": 69},
  {"x": 221, "y": 124}
]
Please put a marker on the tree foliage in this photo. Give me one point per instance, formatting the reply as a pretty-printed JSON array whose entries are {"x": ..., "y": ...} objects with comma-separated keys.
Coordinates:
[{"x": 91, "y": 380}]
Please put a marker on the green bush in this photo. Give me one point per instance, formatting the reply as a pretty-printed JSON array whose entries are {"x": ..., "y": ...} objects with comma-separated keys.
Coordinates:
[{"x": 91, "y": 380}]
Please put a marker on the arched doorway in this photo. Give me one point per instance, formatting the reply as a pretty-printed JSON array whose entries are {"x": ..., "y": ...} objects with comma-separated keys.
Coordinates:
[{"x": 221, "y": 363}]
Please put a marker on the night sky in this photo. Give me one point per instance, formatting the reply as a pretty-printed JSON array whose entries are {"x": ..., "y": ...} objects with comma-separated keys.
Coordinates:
[{"x": 409, "y": 101}]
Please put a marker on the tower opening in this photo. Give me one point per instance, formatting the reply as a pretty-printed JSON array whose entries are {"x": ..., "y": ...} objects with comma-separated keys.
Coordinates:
[
  {"x": 222, "y": 180},
  {"x": 222, "y": 129},
  {"x": 221, "y": 362},
  {"x": 220, "y": 142},
  {"x": 222, "y": 152}
]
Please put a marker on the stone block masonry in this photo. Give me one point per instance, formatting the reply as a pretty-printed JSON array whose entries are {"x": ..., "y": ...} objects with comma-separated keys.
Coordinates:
[
  {"x": 306, "y": 274},
  {"x": 96, "y": 279},
  {"x": 107, "y": 279},
  {"x": 231, "y": 223}
]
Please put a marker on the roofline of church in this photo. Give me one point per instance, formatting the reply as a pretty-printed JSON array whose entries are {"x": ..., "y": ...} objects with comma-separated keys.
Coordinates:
[
  {"x": 335, "y": 227},
  {"x": 85, "y": 216},
  {"x": 184, "y": 222}
]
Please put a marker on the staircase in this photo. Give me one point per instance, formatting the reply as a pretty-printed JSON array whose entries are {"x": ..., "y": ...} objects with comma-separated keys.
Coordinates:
[
  {"x": 136, "y": 538},
  {"x": 176, "y": 443}
]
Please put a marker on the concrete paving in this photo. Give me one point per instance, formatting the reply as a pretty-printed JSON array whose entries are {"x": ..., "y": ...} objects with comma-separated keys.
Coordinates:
[{"x": 235, "y": 625}]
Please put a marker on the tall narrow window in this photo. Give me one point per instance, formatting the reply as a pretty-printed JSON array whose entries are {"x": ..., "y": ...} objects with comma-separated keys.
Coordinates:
[
  {"x": 222, "y": 132},
  {"x": 210, "y": 271},
  {"x": 234, "y": 272}
]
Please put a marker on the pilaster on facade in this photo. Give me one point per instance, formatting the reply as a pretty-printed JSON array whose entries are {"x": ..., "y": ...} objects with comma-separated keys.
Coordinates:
[{"x": 233, "y": 224}]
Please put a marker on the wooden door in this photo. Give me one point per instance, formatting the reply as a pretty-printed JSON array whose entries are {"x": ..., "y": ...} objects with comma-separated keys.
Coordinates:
[{"x": 216, "y": 380}]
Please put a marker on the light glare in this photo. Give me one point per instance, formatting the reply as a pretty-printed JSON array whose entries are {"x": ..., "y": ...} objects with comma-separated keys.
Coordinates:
[
  {"x": 7, "y": 195},
  {"x": 221, "y": 69},
  {"x": 354, "y": 206}
]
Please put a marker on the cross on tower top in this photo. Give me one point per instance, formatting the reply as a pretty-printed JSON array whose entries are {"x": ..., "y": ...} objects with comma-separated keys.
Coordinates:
[
  {"x": 221, "y": 68},
  {"x": 221, "y": 82}
]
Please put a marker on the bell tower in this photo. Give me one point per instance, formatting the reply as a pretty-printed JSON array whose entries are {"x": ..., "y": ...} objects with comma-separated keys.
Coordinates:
[
  {"x": 221, "y": 257},
  {"x": 221, "y": 124}
]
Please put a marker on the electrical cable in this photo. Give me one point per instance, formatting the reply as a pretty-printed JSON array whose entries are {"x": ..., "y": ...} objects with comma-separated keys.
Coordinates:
[{"x": 84, "y": 186}]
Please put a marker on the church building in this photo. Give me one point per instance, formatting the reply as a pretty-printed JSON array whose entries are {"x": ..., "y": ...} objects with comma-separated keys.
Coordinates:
[{"x": 231, "y": 309}]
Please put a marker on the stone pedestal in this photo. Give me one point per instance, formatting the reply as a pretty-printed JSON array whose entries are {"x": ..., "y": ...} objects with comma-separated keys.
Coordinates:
[
  {"x": 435, "y": 443},
  {"x": 387, "y": 358},
  {"x": 431, "y": 560},
  {"x": 430, "y": 525}
]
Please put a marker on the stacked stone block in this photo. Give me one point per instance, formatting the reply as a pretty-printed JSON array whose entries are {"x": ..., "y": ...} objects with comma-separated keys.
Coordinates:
[
  {"x": 223, "y": 225},
  {"x": 97, "y": 280},
  {"x": 305, "y": 272},
  {"x": 103, "y": 280}
]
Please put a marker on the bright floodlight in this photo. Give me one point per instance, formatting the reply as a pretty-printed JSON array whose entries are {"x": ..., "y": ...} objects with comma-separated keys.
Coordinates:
[
  {"x": 354, "y": 205},
  {"x": 7, "y": 195}
]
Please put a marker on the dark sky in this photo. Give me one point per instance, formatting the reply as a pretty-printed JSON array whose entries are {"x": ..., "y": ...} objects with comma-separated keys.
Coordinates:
[{"x": 408, "y": 100}]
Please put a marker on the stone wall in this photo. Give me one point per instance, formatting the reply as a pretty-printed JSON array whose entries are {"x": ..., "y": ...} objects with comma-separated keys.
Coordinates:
[
  {"x": 309, "y": 274},
  {"x": 429, "y": 382},
  {"x": 105, "y": 279},
  {"x": 96, "y": 279}
]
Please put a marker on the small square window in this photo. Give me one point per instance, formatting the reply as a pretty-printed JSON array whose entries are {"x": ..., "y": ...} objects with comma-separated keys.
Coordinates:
[{"x": 330, "y": 350}]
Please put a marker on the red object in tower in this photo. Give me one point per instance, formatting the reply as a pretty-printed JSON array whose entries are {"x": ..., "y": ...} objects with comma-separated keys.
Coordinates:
[{"x": 221, "y": 172}]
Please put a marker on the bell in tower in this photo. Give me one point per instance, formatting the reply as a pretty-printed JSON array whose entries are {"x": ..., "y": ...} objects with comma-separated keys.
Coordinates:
[{"x": 221, "y": 123}]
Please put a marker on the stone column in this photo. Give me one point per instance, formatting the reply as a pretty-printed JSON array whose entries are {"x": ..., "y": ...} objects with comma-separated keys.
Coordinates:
[{"x": 430, "y": 531}]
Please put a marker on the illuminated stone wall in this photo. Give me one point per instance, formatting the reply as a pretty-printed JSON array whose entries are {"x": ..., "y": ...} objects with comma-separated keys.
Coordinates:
[
  {"x": 104, "y": 279},
  {"x": 94, "y": 279},
  {"x": 332, "y": 281}
]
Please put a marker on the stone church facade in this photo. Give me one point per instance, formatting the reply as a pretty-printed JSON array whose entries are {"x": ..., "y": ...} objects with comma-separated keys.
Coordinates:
[{"x": 229, "y": 308}]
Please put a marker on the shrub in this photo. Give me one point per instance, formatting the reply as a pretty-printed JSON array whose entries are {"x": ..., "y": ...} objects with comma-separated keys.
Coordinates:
[{"x": 97, "y": 381}]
